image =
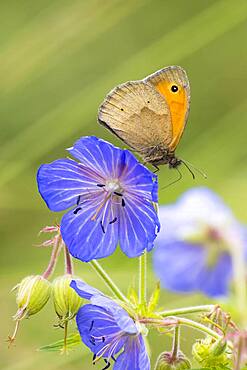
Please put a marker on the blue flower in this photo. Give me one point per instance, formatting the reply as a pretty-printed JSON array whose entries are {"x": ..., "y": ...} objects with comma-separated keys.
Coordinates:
[
  {"x": 196, "y": 242},
  {"x": 111, "y": 196},
  {"x": 109, "y": 331}
]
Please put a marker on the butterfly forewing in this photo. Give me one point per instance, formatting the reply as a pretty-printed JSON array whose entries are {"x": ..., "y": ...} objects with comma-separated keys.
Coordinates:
[
  {"x": 179, "y": 101},
  {"x": 139, "y": 115}
]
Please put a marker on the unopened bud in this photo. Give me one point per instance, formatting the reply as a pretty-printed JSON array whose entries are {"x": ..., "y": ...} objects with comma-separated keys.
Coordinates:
[
  {"x": 33, "y": 293},
  {"x": 210, "y": 352},
  {"x": 166, "y": 361},
  {"x": 66, "y": 301}
]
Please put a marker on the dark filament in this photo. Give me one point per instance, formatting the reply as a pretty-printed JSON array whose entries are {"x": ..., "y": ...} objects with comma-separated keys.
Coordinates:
[
  {"x": 92, "y": 340},
  {"x": 91, "y": 327},
  {"x": 113, "y": 358},
  {"x": 123, "y": 202},
  {"x": 100, "y": 185},
  {"x": 78, "y": 200},
  {"x": 119, "y": 194},
  {"x": 94, "y": 357},
  {"x": 102, "y": 227},
  {"x": 103, "y": 339},
  {"x": 108, "y": 364},
  {"x": 114, "y": 220},
  {"x": 77, "y": 210}
]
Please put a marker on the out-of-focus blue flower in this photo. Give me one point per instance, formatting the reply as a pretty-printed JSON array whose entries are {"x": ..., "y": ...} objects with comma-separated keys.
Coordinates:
[
  {"x": 111, "y": 196},
  {"x": 109, "y": 331},
  {"x": 197, "y": 236}
]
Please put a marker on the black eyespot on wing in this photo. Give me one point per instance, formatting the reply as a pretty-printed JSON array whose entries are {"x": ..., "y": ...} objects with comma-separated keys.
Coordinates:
[{"x": 174, "y": 88}]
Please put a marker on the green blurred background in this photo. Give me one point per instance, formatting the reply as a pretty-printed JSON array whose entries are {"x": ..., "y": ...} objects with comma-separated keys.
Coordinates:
[{"x": 58, "y": 59}]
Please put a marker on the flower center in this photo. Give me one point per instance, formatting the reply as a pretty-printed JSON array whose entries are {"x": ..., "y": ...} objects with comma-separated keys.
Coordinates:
[{"x": 113, "y": 186}]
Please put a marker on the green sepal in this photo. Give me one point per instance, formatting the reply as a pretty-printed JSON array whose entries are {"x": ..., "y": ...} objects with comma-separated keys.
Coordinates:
[
  {"x": 72, "y": 341},
  {"x": 154, "y": 299}
]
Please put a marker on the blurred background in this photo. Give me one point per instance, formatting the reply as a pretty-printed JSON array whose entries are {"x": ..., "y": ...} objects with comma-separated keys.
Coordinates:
[{"x": 58, "y": 59}]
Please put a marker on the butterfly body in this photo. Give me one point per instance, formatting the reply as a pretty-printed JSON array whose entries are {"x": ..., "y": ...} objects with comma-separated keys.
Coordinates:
[{"x": 150, "y": 115}]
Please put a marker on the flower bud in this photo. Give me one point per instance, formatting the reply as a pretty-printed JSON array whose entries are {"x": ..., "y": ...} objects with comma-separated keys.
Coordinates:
[
  {"x": 210, "y": 352},
  {"x": 66, "y": 301},
  {"x": 166, "y": 361},
  {"x": 33, "y": 293}
]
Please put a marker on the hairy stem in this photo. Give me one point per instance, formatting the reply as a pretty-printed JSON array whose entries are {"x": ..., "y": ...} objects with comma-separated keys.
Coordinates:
[
  {"x": 187, "y": 310},
  {"x": 68, "y": 261},
  {"x": 143, "y": 278},
  {"x": 53, "y": 260},
  {"x": 175, "y": 343},
  {"x": 108, "y": 281}
]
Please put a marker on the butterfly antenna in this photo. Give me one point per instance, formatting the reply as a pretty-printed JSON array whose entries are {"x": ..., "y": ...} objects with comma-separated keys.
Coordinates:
[
  {"x": 188, "y": 165},
  {"x": 173, "y": 182}
]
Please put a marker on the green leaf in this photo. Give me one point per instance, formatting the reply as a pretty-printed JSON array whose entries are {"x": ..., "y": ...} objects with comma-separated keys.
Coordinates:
[{"x": 73, "y": 340}]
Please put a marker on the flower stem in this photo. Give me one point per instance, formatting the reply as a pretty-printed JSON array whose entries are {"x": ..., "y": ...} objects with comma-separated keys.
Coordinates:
[
  {"x": 108, "y": 281},
  {"x": 143, "y": 279},
  {"x": 53, "y": 260},
  {"x": 175, "y": 343},
  {"x": 187, "y": 310},
  {"x": 68, "y": 261}
]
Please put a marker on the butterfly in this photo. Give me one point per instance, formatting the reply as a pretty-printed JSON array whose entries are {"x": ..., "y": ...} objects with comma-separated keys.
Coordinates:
[{"x": 150, "y": 115}]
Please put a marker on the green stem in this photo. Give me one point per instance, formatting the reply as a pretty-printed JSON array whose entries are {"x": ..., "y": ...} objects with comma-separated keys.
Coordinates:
[
  {"x": 143, "y": 279},
  {"x": 175, "y": 343},
  {"x": 108, "y": 281},
  {"x": 187, "y": 310}
]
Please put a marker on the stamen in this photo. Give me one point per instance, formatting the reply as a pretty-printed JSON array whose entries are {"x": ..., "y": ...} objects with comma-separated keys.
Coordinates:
[
  {"x": 103, "y": 339},
  {"x": 94, "y": 358},
  {"x": 102, "y": 227},
  {"x": 77, "y": 210},
  {"x": 78, "y": 200},
  {"x": 107, "y": 366},
  {"x": 123, "y": 202},
  {"x": 91, "y": 327},
  {"x": 119, "y": 194},
  {"x": 114, "y": 220},
  {"x": 100, "y": 185},
  {"x": 92, "y": 340}
]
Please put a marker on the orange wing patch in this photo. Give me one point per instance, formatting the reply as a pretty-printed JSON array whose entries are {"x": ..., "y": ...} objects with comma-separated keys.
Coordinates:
[{"x": 177, "y": 103}]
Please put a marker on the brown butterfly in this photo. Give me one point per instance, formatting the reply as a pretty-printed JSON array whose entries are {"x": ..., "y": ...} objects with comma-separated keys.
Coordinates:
[{"x": 150, "y": 115}]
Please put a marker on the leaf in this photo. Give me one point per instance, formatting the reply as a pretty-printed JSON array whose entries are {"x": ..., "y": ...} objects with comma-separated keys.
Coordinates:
[{"x": 73, "y": 340}]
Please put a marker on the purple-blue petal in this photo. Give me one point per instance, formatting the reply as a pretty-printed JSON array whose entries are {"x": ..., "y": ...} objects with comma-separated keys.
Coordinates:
[
  {"x": 98, "y": 154},
  {"x": 85, "y": 237},
  {"x": 97, "y": 328},
  {"x": 134, "y": 356},
  {"x": 62, "y": 181},
  {"x": 83, "y": 289},
  {"x": 178, "y": 265},
  {"x": 214, "y": 281},
  {"x": 138, "y": 227}
]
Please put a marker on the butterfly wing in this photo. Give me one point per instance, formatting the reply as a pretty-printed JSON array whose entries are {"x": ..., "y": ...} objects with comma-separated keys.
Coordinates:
[
  {"x": 172, "y": 83},
  {"x": 138, "y": 115}
]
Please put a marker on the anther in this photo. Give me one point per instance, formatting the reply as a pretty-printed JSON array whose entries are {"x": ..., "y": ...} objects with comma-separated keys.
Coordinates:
[
  {"x": 123, "y": 202},
  {"x": 119, "y": 194},
  {"x": 91, "y": 327},
  {"x": 78, "y": 200},
  {"x": 77, "y": 210},
  {"x": 103, "y": 339},
  {"x": 114, "y": 220},
  {"x": 108, "y": 364},
  {"x": 100, "y": 185},
  {"x": 94, "y": 358},
  {"x": 102, "y": 227}
]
